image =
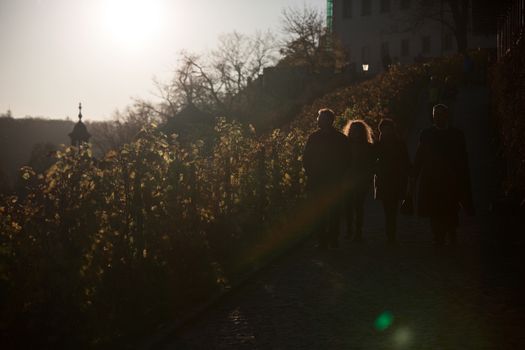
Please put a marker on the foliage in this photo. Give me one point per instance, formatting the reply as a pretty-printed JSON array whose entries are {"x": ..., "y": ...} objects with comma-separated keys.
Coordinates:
[
  {"x": 137, "y": 235},
  {"x": 124, "y": 127},
  {"x": 393, "y": 94},
  {"x": 153, "y": 228},
  {"x": 29, "y": 141}
]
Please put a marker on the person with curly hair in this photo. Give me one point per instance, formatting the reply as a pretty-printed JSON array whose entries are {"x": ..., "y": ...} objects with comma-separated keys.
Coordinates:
[
  {"x": 359, "y": 175},
  {"x": 392, "y": 174}
]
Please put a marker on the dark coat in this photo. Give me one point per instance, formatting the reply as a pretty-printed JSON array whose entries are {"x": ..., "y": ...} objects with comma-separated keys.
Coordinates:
[
  {"x": 360, "y": 172},
  {"x": 392, "y": 170},
  {"x": 441, "y": 164},
  {"x": 325, "y": 159}
]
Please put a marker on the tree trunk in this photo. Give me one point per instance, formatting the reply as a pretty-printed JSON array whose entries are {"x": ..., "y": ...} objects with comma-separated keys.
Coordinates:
[
  {"x": 460, "y": 13},
  {"x": 461, "y": 40}
]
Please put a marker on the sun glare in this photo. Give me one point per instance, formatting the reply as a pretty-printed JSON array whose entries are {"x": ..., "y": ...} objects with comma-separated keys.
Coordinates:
[{"x": 132, "y": 23}]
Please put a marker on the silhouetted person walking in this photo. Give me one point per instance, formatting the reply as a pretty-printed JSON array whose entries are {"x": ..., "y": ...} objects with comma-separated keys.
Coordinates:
[
  {"x": 325, "y": 161},
  {"x": 441, "y": 165},
  {"x": 359, "y": 175},
  {"x": 392, "y": 174}
]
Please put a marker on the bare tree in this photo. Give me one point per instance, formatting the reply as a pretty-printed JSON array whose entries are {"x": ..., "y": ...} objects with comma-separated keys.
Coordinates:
[
  {"x": 304, "y": 30},
  {"x": 459, "y": 25},
  {"x": 216, "y": 80},
  {"x": 308, "y": 42},
  {"x": 240, "y": 59},
  {"x": 124, "y": 127},
  {"x": 7, "y": 114},
  {"x": 187, "y": 86}
]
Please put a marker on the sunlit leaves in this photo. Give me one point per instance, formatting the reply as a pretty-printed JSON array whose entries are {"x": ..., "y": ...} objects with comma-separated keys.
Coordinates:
[
  {"x": 393, "y": 94},
  {"x": 150, "y": 217}
]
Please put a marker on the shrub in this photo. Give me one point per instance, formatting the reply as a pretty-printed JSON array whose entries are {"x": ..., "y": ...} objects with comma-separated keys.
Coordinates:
[{"x": 93, "y": 250}]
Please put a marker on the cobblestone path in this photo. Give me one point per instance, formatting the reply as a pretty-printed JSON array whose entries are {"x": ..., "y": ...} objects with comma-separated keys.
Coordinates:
[{"x": 373, "y": 297}]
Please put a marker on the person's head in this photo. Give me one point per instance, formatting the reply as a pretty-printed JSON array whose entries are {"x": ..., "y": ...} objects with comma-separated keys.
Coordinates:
[
  {"x": 325, "y": 118},
  {"x": 387, "y": 129},
  {"x": 358, "y": 131},
  {"x": 440, "y": 116}
]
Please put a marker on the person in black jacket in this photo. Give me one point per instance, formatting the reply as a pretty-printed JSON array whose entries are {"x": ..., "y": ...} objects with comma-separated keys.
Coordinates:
[
  {"x": 359, "y": 175},
  {"x": 325, "y": 162},
  {"x": 392, "y": 174},
  {"x": 441, "y": 165}
]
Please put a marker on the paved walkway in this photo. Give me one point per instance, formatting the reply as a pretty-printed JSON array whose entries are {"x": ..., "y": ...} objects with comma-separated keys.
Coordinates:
[{"x": 374, "y": 297}]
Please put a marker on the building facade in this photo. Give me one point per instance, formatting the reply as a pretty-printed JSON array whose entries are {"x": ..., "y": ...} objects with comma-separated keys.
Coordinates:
[{"x": 377, "y": 33}]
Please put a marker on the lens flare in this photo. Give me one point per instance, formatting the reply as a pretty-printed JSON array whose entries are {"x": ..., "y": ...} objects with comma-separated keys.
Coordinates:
[
  {"x": 403, "y": 338},
  {"x": 384, "y": 321}
]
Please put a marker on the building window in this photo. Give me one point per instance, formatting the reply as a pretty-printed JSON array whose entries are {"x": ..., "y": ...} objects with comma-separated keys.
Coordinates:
[
  {"x": 386, "y": 60},
  {"x": 426, "y": 45},
  {"x": 347, "y": 8},
  {"x": 366, "y": 7},
  {"x": 447, "y": 42},
  {"x": 405, "y": 47},
  {"x": 365, "y": 54},
  {"x": 385, "y": 6},
  {"x": 405, "y": 4}
]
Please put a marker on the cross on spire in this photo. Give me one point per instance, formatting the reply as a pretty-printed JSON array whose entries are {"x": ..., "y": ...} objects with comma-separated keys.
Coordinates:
[{"x": 79, "y": 134}]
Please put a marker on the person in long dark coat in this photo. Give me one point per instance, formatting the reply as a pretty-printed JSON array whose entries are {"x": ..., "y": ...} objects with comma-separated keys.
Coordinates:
[
  {"x": 392, "y": 174},
  {"x": 359, "y": 175},
  {"x": 325, "y": 162},
  {"x": 441, "y": 165}
]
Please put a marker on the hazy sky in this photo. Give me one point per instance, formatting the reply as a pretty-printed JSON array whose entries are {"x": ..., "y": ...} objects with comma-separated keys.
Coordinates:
[{"x": 55, "y": 53}]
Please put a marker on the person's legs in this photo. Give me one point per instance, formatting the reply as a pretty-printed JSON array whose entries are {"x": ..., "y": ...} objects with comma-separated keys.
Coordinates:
[
  {"x": 390, "y": 207},
  {"x": 350, "y": 214},
  {"x": 359, "y": 205},
  {"x": 451, "y": 224},
  {"x": 333, "y": 226},
  {"x": 322, "y": 232},
  {"x": 319, "y": 222}
]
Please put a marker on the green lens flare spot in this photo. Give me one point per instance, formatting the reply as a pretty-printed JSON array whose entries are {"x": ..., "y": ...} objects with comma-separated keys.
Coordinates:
[{"x": 384, "y": 321}]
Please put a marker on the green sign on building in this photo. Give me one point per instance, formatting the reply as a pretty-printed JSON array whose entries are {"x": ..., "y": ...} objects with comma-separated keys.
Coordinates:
[{"x": 329, "y": 15}]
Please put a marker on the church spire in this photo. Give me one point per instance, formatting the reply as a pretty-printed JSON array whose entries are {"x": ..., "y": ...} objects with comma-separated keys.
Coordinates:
[
  {"x": 79, "y": 134},
  {"x": 80, "y": 111}
]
